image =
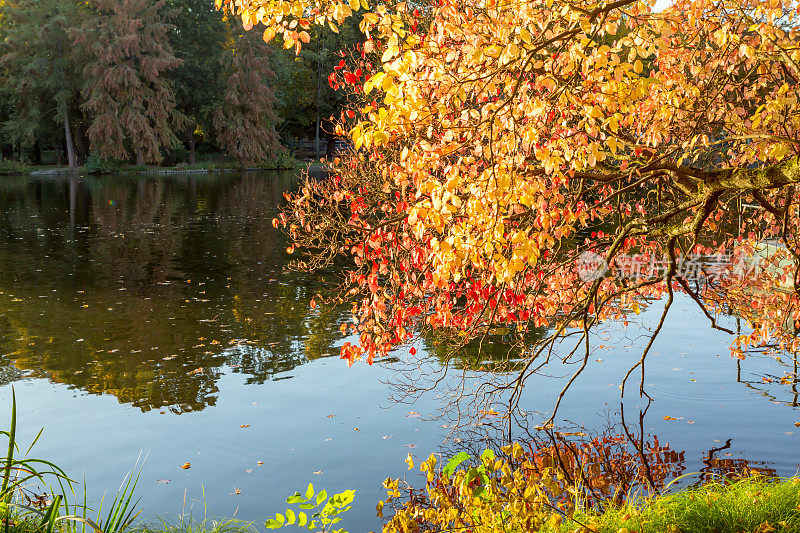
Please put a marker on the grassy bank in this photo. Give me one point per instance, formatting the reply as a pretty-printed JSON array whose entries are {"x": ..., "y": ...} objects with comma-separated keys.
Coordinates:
[
  {"x": 8, "y": 167},
  {"x": 756, "y": 504}
]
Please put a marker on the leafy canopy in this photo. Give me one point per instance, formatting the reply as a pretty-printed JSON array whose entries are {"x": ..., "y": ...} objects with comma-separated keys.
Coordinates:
[{"x": 497, "y": 141}]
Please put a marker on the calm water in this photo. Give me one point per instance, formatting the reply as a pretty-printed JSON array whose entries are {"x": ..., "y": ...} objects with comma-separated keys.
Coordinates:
[{"x": 152, "y": 315}]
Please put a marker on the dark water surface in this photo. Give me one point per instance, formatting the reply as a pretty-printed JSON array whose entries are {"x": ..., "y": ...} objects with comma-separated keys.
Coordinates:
[{"x": 152, "y": 314}]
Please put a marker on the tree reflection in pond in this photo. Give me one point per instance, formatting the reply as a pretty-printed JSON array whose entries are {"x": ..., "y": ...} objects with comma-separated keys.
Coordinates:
[{"x": 157, "y": 286}]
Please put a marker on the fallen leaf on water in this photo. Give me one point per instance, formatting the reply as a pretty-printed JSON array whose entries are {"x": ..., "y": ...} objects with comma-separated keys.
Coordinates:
[
  {"x": 248, "y": 471},
  {"x": 410, "y": 445},
  {"x": 236, "y": 491},
  {"x": 667, "y": 417},
  {"x": 197, "y": 371},
  {"x": 387, "y": 437},
  {"x": 245, "y": 426},
  {"x": 186, "y": 465},
  {"x": 331, "y": 415},
  {"x": 412, "y": 414},
  {"x": 797, "y": 424},
  {"x": 260, "y": 463},
  {"x": 690, "y": 421},
  {"x": 162, "y": 481},
  {"x": 356, "y": 429},
  {"x": 317, "y": 473}
]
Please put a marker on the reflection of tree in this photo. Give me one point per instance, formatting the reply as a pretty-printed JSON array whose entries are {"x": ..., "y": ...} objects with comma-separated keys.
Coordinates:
[
  {"x": 500, "y": 349},
  {"x": 148, "y": 289},
  {"x": 604, "y": 467},
  {"x": 728, "y": 466}
]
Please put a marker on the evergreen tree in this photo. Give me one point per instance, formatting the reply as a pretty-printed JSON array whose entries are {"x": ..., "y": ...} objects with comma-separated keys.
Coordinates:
[
  {"x": 198, "y": 41},
  {"x": 245, "y": 120},
  {"x": 131, "y": 100},
  {"x": 38, "y": 62}
]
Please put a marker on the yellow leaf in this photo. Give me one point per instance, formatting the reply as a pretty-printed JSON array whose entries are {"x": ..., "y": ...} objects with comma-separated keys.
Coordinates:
[{"x": 410, "y": 461}]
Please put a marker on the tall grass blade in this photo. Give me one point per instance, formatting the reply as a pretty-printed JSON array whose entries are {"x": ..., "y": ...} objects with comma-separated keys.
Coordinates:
[
  {"x": 4, "y": 494},
  {"x": 122, "y": 513}
]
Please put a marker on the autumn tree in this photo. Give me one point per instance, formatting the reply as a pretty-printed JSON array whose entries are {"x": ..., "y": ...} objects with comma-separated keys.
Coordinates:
[
  {"x": 126, "y": 90},
  {"x": 245, "y": 118},
  {"x": 515, "y": 158},
  {"x": 38, "y": 62}
]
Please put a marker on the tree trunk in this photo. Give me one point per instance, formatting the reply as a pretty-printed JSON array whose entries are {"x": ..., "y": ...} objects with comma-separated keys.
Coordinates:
[
  {"x": 330, "y": 151},
  {"x": 37, "y": 153},
  {"x": 71, "y": 159},
  {"x": 81, "y": 141},
  {"x": 191, "y": 149},
  {"x": 139, "y": 158}
]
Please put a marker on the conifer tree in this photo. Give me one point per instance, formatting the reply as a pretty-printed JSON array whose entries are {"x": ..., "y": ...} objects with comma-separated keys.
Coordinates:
[
  {"x": 38, "y": 62},
  {"x": 126, "y": 90},
  {"x": 245, "y": 120}
]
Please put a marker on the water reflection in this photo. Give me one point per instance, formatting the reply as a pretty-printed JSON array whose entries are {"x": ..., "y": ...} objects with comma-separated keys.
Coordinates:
[{"x": 150, "y": 288}]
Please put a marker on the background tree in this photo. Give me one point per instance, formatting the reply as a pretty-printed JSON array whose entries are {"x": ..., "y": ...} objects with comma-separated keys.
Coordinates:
[
  {"x": 303, "y": 88},
  {"x": 128, "y": 94},
  {"x": 38, "y": 63},
  {"x": 245, "y": 118},
  {"x": 199, "y": 42}
]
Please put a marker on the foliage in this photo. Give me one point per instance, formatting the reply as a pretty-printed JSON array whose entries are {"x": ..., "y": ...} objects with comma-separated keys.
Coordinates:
[
  {"x": 95, "y": 164},
  {"x": 131, "y": 101},
  {"x": 9, "y": 166},
  {"x": 199, "y": 43},
  {"x": 502, "y": 147},
  {"x": 38, "y": 60},
  {"x": 324, "y": 517},
  {"x": 488, "y": 496},
  {"x": 514, "y": 493},
  {"x": 245, "y": 119}
]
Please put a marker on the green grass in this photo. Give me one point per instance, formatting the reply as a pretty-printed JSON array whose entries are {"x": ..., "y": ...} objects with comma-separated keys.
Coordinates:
[
  {"x": 756, "y": 504},
  {"x": 188, "y": 525}
]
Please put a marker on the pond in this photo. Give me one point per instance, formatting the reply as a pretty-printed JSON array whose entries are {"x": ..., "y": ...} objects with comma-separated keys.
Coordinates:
[{"x": 152, "y": 315}]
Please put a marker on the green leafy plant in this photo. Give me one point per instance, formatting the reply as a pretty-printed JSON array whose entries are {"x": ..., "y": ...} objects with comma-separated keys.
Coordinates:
[
  {"x": 98, "y": 165},
  {"x": 323, "y": 511}
]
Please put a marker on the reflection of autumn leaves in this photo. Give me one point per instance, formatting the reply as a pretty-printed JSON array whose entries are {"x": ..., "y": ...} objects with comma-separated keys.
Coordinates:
[{"x": 607, "y": 466}]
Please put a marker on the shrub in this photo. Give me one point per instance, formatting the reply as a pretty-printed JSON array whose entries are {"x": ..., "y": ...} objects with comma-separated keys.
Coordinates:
[
  {"x": 9, "y": 166},
  {"x": 97, "y": 165}
]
